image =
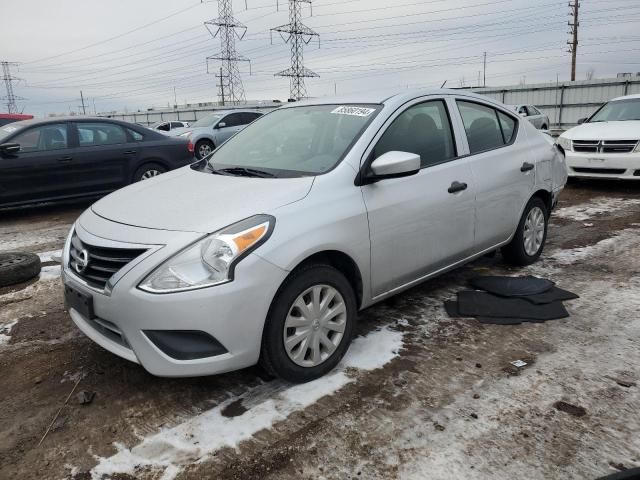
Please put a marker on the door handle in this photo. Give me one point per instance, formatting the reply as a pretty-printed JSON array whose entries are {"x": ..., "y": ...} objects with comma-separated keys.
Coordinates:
[
  {"x": 65, "y": 159},
  {"x": 457, "y": 187},
  {"x": 130, "y": 152},
  {"x": 526, "y": 166}
]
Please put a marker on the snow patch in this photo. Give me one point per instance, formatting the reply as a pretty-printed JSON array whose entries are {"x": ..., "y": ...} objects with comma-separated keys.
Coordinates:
[
  {"x": 597, "y": 206},
  {"x": 50, "y": 256},
  {"x": 5, "y": 330},
  {"x": 623, "y": 242},
  {"x": 51, "y": 272},
  {"x": 194, "y": 440}
]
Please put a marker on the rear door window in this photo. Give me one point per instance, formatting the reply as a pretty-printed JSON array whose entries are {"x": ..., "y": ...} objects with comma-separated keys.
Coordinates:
[
  {"x": 484, "y": 129},
  {"x": 43, "y": 138},
  {"x": 100, "y": 133},
  {"x": 233, "y": 120}
]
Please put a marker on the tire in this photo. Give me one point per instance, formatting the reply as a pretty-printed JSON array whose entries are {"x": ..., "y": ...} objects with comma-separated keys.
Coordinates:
[
  {"x": 203, "y": 148},
  {"x": 517, "y": 252},
  {"x": 18, "y": 267},
  {"x": 148, "y": 170},
  {"x": 298, "y": 287}
]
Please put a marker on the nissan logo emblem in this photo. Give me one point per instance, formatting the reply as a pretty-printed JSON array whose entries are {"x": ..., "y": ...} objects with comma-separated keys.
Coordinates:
[{"x": 82, "y": 261}]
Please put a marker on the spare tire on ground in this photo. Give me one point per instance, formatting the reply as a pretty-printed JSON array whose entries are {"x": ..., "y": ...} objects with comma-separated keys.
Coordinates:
[{"x": 17, "y": 267}]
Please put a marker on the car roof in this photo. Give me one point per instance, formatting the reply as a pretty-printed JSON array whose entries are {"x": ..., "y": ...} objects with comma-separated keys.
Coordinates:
[
  {"x": 388, "y": 96},
  {"x": 626, "y": 97},
  {"x": 76, "y": 118}
]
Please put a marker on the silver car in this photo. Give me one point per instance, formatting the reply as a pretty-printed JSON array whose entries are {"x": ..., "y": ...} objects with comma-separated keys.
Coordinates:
[
  {"x": 535, "y": 116},
  {"x": 167, "y": 126},
  {"x": 265, "y": 251},
  {"x": 210, "y": 132}
]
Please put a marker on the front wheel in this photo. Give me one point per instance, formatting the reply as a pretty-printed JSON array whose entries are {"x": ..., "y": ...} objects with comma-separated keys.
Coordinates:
[
  {"x": 204, "y": 148},
  {"x": 528, "y": 242},
  {"x": 310, "y": 324}
]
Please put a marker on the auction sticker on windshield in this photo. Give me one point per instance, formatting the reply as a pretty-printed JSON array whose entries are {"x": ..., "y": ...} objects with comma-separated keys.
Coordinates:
[{"x": 357, "y": 111}]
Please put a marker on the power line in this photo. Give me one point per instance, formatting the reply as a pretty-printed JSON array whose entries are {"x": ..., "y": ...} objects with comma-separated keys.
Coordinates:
[{"x": 299, "y": 35}]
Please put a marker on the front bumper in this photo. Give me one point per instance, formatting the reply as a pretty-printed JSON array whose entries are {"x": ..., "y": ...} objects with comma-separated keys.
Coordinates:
[
  {"x": 233, "y": 313},
  {"x": 622, "y": 166}
]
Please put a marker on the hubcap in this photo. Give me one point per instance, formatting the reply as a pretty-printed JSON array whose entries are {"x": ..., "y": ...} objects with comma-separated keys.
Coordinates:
[
  {"x": 204, "y": 150},
  {"x": 533, "y": 231},
  {"x": 149, "y": 174},
  {"x": 315, "y": 325}
]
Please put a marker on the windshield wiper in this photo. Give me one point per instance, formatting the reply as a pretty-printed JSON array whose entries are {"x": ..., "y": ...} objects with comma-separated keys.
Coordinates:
[{"x": 246, "y": 172}]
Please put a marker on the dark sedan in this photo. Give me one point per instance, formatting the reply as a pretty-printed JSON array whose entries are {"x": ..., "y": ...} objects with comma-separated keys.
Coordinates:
[{"x": 65, "y": 158}]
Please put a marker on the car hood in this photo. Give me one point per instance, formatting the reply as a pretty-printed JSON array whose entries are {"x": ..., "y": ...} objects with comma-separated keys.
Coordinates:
[
  {"x": 626, "y": 130},
  {"x": 191, "y": 201}
]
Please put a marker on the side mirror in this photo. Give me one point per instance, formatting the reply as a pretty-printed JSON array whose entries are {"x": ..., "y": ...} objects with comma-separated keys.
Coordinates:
[
  {"x": 582, "y": 120},
  {"x": 221, "y": 125},
  {"x": 392, "y": 165},
  {"x": 10, "y": 148}
]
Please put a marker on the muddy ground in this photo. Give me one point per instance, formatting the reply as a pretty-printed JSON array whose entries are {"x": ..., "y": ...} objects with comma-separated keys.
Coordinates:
[{"x": 420, "y": 396}]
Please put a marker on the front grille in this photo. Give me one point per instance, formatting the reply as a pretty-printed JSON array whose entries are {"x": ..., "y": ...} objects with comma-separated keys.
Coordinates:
[
  {"x": 604, "y": 171},
  {"x": 604, "y": 146},
  {"x": 96, "y": 265}
]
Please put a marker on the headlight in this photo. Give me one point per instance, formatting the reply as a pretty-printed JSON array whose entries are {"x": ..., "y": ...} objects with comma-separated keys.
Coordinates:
[
  {"x": 212, "y": 259},
  {"x": 565, "y": 143},
  {"x": 185, "y": 134}
]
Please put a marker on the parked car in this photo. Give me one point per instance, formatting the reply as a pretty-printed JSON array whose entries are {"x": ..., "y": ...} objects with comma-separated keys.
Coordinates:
[
  {"x": 606, "y": 145},
  {"x": 535, "y": 116},
  {"x": 169, "y": 125},
  {"x": 63, "y": 158},
  {"x": 211, "y": 131},
  {"x": 6, "y": 118},
  {"x": 266, "y": 250}
]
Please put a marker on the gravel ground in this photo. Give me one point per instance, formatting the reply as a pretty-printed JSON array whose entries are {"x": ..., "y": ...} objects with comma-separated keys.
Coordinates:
[{"x": 419, "y": 395}]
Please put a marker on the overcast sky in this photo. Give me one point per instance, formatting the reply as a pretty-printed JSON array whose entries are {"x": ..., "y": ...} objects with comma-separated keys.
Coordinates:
[{"x": 131, "y": 54}]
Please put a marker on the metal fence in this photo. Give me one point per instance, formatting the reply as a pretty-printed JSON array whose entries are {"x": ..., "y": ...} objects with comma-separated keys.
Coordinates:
[
  {"x": 190, "y": 115},
  {"x": 565, "y": 102}
]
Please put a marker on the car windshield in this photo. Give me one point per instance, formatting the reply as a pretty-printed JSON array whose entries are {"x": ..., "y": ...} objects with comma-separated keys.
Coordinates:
[
  {"x": 298, "y": 141},
  {"x": 9, "y": 129},
  {"x": 618, "y": 111},
  {"x": 207, "y": 121}
]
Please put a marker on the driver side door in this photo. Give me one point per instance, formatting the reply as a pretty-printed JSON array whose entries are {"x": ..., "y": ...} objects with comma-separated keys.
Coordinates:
[
  {"x": 232, "y": 125},
  {"x": 422, "y": 223}
]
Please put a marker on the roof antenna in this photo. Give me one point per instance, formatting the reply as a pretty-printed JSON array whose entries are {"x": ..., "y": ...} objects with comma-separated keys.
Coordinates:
[{"x": 443, "y": 84}]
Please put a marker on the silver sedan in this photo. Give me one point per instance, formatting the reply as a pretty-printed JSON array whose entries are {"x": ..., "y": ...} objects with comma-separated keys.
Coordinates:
[
  {"x": 535, "y": 116},
  {"x": 265, "y": 251}
]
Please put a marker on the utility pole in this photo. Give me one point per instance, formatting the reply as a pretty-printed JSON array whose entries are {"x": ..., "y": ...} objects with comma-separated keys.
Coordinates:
[
  {"x": 297, "y": 35},
  {"x": 228, "y": 29},
  {"x": 84, "y": 110},
  {"x": 484, "y": 75},
  {"x": 175, "y": 97},
  {"x": 573, "y": 43},
  {"x": 221, "y": 87},
  {"x": 10, "y": 97}
]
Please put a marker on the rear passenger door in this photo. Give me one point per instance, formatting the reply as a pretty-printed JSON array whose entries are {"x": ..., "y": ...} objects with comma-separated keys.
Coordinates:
[
  {"x": 419, "y": 224},
  {"x": 105, "y": 156},
  {"x": 498, "y": 151}
]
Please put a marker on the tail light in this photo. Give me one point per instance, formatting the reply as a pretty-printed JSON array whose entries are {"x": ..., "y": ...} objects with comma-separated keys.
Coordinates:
[{"x": 191, "y": 147}]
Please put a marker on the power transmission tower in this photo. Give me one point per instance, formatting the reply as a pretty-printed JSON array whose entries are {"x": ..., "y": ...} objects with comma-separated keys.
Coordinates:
[
  {"x": 297, "y": 35},
  {"x": 221, "y": 87},
  {"x": 10, "y": 97},
  {"x": 573, "y": 43},
  {"x": 228, "y": 28}
]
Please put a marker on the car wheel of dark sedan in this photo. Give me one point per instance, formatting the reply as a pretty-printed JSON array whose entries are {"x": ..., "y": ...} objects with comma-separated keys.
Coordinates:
[
  {"x": 310, "y": 324},
  {"x": 204, "y": 148},
  {"x": 148, "y": 171}
]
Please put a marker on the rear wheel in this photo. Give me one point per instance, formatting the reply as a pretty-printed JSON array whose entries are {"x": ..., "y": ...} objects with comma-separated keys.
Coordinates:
[
  {"x": 310, "y": 324},
  {"x": 528, "y": 242},
  {"x": 147, "y": 171},
  {"x": 203, "y": 148}
]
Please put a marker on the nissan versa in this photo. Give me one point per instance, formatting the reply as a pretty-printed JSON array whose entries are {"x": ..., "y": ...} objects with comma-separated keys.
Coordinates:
[{"x": 265, "y": 250}]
